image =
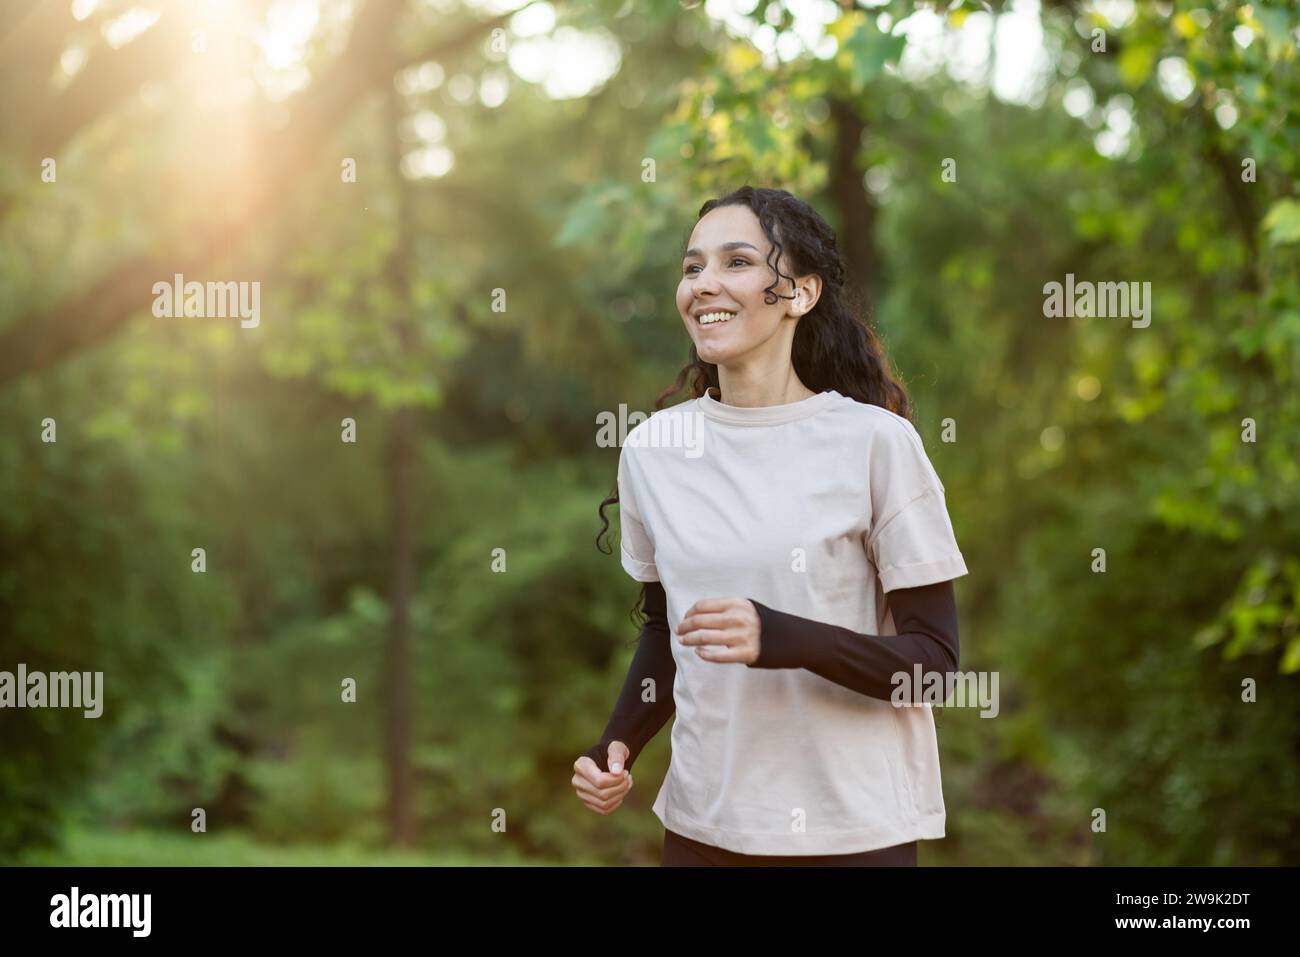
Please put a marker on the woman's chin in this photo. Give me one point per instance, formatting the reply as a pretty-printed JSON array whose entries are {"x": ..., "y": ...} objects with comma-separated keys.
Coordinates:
[{"x": 715, "y": 353}]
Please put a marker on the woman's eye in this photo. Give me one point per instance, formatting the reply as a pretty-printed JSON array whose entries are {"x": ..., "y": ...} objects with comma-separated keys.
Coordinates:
[{"x": 737, "y": 259}]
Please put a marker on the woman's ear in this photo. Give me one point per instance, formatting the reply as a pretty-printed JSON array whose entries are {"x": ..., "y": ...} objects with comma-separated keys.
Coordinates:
[{"x": 806, "y": 295}]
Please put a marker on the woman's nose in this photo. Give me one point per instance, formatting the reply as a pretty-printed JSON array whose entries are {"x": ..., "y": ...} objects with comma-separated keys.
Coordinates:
[{"x": 705, "y": 279}]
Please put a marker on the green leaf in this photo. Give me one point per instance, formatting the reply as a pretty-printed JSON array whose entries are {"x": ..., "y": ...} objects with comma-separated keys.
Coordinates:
[
  {"x": 1276, "y": 25},
  {"x": 1283, "y": 222},
  {"x": 1135, "y": 63},
  {"x": 586, "y": 217},
  {"x": 1291, "y": 660},
  {"x": 870, "y": 50}
]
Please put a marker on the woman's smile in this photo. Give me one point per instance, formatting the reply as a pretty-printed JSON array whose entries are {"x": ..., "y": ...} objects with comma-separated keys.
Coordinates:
[{"x": 715, "y": 317}]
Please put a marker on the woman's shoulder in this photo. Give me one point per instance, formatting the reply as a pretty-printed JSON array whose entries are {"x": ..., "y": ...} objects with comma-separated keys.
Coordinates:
[{"x": 868, "y": 421}]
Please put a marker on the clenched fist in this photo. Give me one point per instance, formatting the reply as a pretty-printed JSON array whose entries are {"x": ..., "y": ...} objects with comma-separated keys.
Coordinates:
[
  {"x": 730, "y": 622},
  {"x": 602, "y": 792}
]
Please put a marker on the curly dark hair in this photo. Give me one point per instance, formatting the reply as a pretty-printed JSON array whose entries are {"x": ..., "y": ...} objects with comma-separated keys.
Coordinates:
[{"x": 833, "y": 348}]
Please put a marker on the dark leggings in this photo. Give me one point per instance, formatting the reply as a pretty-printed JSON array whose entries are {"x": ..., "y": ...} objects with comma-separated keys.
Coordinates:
[{"x": 681, "y": 851}]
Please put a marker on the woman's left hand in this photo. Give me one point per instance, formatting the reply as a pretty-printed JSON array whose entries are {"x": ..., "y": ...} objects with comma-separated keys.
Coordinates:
[{"x": 732, "y": 622}]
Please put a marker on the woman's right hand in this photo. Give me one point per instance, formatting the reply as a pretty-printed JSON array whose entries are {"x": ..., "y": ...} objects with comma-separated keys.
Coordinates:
[{"x": 603, "y": 792}]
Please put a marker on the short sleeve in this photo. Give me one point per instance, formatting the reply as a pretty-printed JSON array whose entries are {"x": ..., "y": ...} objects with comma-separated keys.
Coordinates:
[
  {"x": 910, "y": 541},
  {"x": 637, "y": 548}
]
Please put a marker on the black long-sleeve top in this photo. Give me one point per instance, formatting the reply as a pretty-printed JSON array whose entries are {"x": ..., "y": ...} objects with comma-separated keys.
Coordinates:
[{"x": 925, "y": 617}]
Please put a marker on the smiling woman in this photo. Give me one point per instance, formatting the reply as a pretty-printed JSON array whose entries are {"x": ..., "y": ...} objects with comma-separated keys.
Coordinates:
[{"x": 809, "y": 542}]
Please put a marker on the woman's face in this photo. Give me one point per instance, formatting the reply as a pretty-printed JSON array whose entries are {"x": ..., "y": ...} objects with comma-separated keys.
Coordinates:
[{"x": 725, "y": 270}]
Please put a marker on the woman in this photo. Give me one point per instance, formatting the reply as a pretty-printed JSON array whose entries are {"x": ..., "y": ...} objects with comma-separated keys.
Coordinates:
[{"x": 769, "y": 550}]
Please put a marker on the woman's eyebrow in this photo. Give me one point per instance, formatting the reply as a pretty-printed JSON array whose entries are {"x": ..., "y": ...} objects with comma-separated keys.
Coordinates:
[{"x": 725, "y": 247}]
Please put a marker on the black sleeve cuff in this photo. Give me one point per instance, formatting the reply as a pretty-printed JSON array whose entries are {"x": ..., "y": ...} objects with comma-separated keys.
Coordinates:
[{"x": 787, "y": 641}]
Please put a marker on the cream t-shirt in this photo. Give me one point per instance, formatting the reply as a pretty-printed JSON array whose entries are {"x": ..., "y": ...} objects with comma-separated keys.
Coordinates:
[{"x": 817, "y": 508}]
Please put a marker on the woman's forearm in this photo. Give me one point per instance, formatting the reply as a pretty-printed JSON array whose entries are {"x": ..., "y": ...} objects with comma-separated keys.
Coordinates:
[
  {"x": 635, "y": 721},
  {"x": 926, "y": 620}
]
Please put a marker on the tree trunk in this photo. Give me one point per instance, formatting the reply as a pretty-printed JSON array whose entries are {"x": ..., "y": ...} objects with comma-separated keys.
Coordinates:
[
  {"x": 401, "y": 823},
  {"x": 857, "y": 238}
]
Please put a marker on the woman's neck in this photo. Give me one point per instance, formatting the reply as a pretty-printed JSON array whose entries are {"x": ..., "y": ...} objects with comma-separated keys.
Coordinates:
[{"x": 751, "y": 392}]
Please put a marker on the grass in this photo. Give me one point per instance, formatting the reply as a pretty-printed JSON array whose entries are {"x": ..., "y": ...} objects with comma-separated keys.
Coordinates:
[{"x": 141, "y": 848}]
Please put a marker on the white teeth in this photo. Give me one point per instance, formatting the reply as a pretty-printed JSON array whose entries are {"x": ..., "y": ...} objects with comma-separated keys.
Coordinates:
[{"x": 709, "y": 317}]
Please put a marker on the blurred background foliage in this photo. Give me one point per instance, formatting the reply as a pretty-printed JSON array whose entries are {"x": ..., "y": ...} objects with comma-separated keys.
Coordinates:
[{"x": 501, "y": 271}]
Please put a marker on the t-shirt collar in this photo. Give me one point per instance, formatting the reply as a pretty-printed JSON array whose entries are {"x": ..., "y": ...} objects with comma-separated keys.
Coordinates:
[{"x": 764, "y": 414}]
